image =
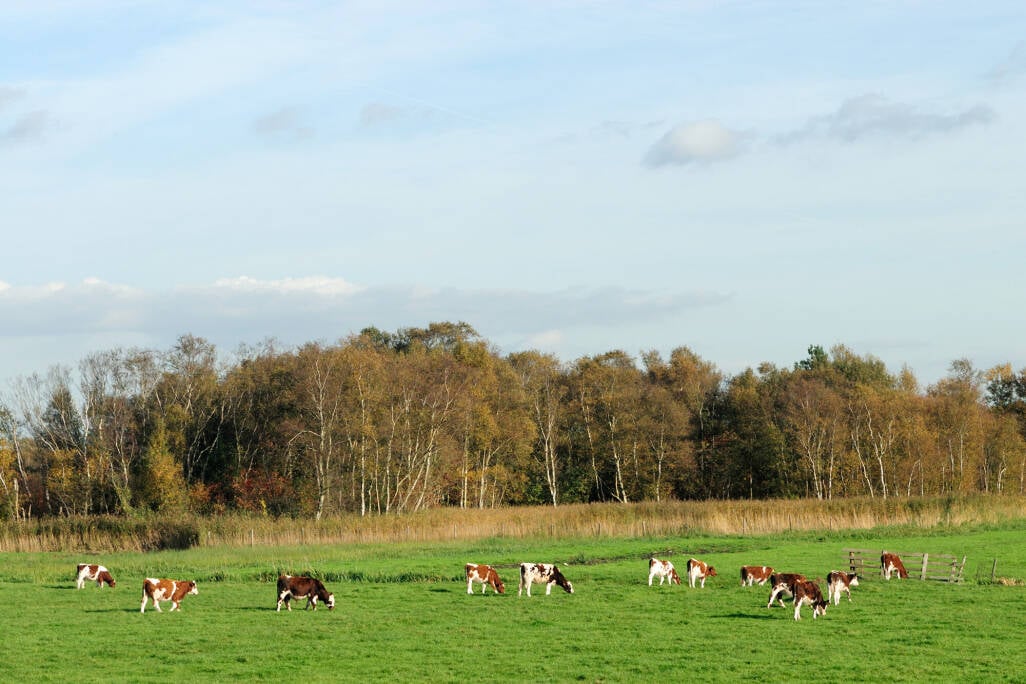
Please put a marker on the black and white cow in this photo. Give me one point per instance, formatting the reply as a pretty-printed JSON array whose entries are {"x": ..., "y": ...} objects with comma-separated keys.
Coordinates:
[{"x": 542, "y": 573}]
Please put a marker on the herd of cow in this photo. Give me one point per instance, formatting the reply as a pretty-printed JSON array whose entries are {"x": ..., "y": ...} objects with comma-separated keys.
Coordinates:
[
  {"x": 783, "y": 584},
  {"x": 157, "y": 590}
]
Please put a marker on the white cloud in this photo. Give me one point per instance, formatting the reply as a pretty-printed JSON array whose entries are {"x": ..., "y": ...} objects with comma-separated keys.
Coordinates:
[
  {"x": 697, "y": 142},
  {"x": 317, "y": 285}
]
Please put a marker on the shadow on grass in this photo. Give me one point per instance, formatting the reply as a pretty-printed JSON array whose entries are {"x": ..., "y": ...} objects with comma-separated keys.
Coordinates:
[
  {"x": 750, "y": 616},
  {"x": 59, "y": 586}
]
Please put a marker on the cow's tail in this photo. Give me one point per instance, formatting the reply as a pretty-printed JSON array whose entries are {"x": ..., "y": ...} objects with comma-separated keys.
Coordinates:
[
  {"x": 744, "y": 575},
  {"x": 651, "y": 562}
]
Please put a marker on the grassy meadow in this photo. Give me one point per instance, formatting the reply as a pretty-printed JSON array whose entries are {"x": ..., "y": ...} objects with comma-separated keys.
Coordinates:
[{"x": 403, "y": 613}]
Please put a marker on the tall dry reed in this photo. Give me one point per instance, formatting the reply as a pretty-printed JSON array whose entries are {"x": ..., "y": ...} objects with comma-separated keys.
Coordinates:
[{"x": 682, "y": 518}]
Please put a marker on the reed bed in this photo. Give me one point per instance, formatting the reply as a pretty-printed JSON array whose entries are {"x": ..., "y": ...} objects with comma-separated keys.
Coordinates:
[{"x": 647, "y": 519}]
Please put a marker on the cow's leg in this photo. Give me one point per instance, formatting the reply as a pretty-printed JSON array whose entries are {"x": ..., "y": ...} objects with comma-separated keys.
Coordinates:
[
  {"x": 174, "y": 606},
  {"x": 548, "y": 588},
  {"x": 156, "y": 604},
  {"x": 470, "y": 588},
  {"x": 142, "y": 608},
  {"x": 650, "y": 576},
  {"x": 797, "y": 610}
]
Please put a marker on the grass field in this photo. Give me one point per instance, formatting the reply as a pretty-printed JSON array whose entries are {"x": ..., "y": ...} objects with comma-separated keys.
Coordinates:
[{"x": 403, "y": 614}]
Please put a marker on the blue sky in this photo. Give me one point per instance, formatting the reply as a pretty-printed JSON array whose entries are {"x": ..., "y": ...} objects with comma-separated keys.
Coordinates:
[{"x": 742, "y": 178}]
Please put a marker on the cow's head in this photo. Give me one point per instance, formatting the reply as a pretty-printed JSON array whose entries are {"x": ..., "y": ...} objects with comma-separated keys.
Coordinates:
[
  {"x": 674, "y": 577},
  {"x": 853, "y": 579},
  {"x": 193, "y": 589},
  {"x": 562, "y": 581},
  {"x": 105, "y": 577},
  {"x": 499, "y": 586},
  {"x": 330, "y": 602},
  {"x": 710, "y": 571},
  {"x": 819, "y": 607}
]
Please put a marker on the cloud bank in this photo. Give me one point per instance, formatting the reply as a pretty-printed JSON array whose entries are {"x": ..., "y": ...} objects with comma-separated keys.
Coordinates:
[{"x": 233, "y": 311}]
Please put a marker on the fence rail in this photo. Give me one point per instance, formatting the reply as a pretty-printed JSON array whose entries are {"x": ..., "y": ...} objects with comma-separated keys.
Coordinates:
[{"x": 938, "y": 566}]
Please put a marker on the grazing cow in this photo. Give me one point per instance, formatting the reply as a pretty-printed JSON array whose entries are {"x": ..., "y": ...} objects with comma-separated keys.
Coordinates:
[
  {"x": 159, "y": 590},
  {"x": 755, "y": 574},
  {"x": 664, "y": 570},
  {"x": 783, "y": 585},
  {"x": 542, "y": 573},
  {"x": 838, "y": 582},
  {"x": 311, "y": 589},
  {"x": 486, "y": 575},
  {"x": 808, "y": 593},
  {"x": 94, "y": 573},
  {"x": 697, "y": 570},
  {"x": 890, "y": 562}
]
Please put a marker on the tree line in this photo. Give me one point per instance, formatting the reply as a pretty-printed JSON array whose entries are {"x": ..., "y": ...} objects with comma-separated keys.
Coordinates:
[{"x": 389, "y": 422}]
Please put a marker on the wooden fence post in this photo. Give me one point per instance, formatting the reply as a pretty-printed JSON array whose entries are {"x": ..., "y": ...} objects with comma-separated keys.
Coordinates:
[{"x": 922, "y": 575}]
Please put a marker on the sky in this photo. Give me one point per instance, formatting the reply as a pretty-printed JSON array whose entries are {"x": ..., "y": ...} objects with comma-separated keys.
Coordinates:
[{"x": 745, "y": 179}]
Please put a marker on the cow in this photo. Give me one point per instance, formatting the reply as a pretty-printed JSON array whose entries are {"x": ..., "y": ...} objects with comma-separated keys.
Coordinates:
[
  {"x": 891, "y": 562},
  {"x": 542, "y": 573},
  {"x": 838, "y": 582},
  {"x": 783, "y": 584},
  {"x": 311, "y": 589},
  {"x": 697, "y": 570},
  {"x": 159, "y": 590},
  {"x": 664, "y": 570},
  {"x": 808, "y": 593},
  {"x": 94, "y": 573},
  {"x": 755, "y": 574},
  {"x": 486, "y": 575}
]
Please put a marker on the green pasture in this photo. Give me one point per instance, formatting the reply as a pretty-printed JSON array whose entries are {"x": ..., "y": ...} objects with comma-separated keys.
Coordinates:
[{"x": 403, "y": 615}]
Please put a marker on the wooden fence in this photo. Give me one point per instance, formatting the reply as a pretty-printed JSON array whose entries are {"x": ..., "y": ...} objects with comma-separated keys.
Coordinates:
[{"x": 938, "y": 566}]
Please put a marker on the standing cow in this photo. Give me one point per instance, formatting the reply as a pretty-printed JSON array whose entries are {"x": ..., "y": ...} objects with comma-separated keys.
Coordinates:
[
  {"x": 783, "y": 584},
  {"x": 93, "y": 573},
  {"x": 542, "y": 573},
  {"x": 838, "y": 582},
  {"x": 486, "y": 575},
  {"x": 698, "y": 570},
  {"x": 662, "y": 569},
  {"x": 158, "y": 590},
  {"x": 311, "y": 589},
  {"x": 755, "y": 574},
  {"x": 808, "y": 593},
  {"x": 890, "y": 563}
]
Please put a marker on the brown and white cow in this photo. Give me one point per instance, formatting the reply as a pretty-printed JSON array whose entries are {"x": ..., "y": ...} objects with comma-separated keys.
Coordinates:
[
  {"x": 542, "y": 573},
  {"x": 697, "y": 570},
  {"x": 808, "y": 593},
  {"x": 890, "y": 562},
  {"x": 486, "y": 575},
  {"x": 94, "y": 573},
  {"x": 755, "y": 574},
  {"x": 662, "y": 569},
  {"x": 158, "y": 590},
  {"x": 838, "y": 582},
  {"x": 783, "y": 584},
  {"x": 311, "y": 589}
]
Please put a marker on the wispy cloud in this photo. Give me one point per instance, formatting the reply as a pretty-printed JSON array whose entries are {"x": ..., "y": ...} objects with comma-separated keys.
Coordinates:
[
  {"x": 1012, "y": 66},
  {"x": 284, "y": 123},
  {"x": 870, "y": 116},
  {"x": 694, "y": 143},
  {"x": 27, "y": 128},
  {"x": 238, "y": 310},
  {"x": 9, "y": 95}
]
